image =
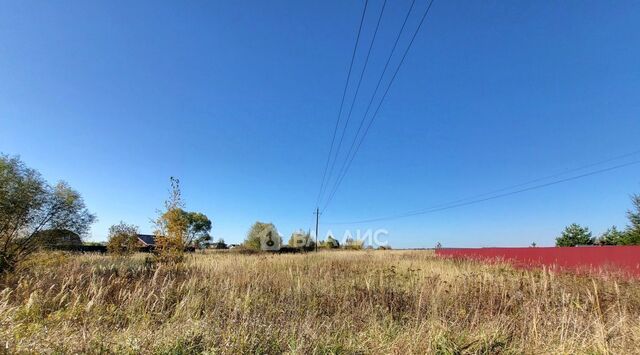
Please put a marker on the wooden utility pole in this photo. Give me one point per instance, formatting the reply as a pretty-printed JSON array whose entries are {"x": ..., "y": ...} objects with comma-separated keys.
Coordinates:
[{"x": 317, "y": 213}]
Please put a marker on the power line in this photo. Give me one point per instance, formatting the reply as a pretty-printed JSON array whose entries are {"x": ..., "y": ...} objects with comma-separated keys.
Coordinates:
[
  {"x": 528, "y": 182},
  {"x": 355, "y": 96},
  {"x": 344, "y": 93},
  {"x": 455, "y": 205},
  {"x": 349, "y": 161},
  {"x": 375, "y": 91}
]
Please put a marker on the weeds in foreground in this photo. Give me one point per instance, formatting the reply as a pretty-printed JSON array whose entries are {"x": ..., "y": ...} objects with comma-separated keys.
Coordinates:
[{"x": 330, "y": 302}]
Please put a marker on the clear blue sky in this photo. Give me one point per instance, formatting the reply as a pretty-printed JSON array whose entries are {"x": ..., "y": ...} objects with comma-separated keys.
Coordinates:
[{"x": 238, "y": 99}]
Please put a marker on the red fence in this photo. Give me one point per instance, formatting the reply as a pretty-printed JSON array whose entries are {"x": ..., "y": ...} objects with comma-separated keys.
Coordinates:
[{"x": 625, "y": 259}]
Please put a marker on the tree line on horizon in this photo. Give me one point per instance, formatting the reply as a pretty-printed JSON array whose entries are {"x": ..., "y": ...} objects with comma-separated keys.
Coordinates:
[
  {"x": 33, "y": 211},
  {"x": 575, "y": 234},
  {"x": 299, "y": 240}
]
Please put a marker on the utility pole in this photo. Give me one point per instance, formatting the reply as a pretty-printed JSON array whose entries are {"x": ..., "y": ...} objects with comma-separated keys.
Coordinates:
[{"x": 317, "y": 213}]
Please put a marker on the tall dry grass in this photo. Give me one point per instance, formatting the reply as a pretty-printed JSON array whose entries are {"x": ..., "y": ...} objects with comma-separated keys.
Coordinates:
[{"x": 331, "y": 302}]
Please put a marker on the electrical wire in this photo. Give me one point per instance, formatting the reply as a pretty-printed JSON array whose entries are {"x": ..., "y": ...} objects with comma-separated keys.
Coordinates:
[
  {"x": 344, "y": 94},
  {"x": 355, "y": 96},
  {"x": 349, "y": 161},
  {"x": 461, "y": 204}
]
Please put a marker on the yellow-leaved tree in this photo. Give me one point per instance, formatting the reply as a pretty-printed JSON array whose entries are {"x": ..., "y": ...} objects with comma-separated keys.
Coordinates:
[{"x": 172, "y": 225}]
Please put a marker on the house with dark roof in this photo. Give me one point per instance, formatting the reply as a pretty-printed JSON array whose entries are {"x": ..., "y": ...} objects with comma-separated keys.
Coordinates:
[
  {"x": 57, "y": 238},
  {"x": 147, "y": 240}
]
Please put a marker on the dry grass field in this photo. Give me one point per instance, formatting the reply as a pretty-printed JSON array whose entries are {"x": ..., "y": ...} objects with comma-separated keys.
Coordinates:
[{"x": 332, "y": 302}]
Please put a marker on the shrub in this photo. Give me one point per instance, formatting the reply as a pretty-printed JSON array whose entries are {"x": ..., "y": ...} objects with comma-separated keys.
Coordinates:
[
  {"x": 244, "y": 250},
  {"x": 123, "y": 239},
  {"x": 353, "y": 244},
  {"x": 330, "y": 243}
]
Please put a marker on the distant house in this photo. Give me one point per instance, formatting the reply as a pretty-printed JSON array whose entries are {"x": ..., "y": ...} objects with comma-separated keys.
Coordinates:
[
  {"x": 218, "y": 245},
  {"x": 62, "y": 239},
  {"x": 57, "y": 238},
  {"x": 147, "y": 240},
  {"x": 147, "y": 243}
]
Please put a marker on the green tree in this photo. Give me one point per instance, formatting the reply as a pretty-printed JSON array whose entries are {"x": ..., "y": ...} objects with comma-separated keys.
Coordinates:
[
  {"x": 612, "y": 236},
  {"x": 28, "y": 205},
  {"x": 198, "y": 228},
  {"x": 574, "y": 235},
  {"x": 123, "y": 239},
  {"x": 252, "y": 241},
  {"x": 632, "y": 233}
]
